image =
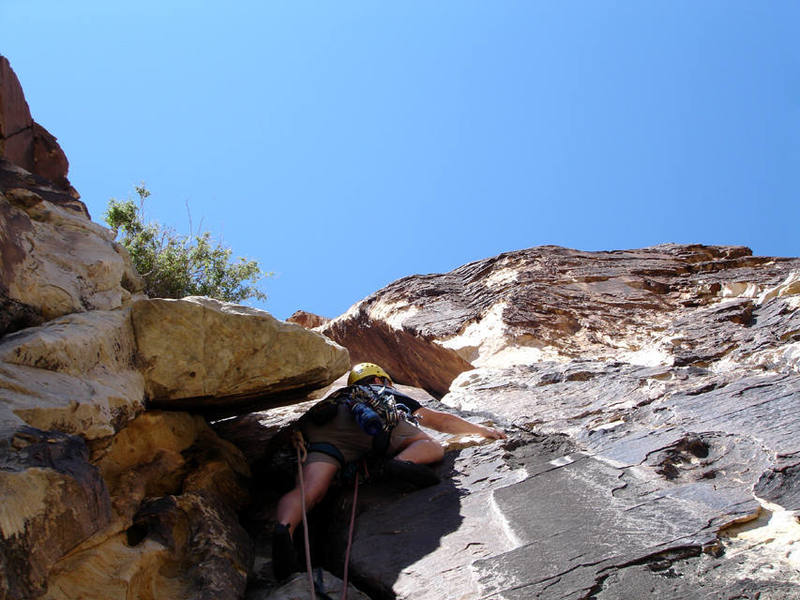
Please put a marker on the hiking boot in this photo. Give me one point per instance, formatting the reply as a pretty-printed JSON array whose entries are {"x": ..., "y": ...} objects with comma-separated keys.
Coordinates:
[
  {"x": 284, "y": 557},
  {"x": 420, "y": 476}
]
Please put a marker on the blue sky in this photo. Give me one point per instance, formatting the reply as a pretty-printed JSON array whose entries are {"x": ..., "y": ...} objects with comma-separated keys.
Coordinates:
[{"x": 347, "y": 144}]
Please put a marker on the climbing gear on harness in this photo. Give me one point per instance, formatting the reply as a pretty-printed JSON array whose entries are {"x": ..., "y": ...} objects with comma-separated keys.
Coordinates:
[
  {"x": 369, "y": 421},
  {"x": 364, "y": 370},
  {"x": 382, "y": 401}
]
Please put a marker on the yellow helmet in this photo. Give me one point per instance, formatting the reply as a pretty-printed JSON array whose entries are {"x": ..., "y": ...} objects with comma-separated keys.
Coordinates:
[{"x": 363, "y": 370}]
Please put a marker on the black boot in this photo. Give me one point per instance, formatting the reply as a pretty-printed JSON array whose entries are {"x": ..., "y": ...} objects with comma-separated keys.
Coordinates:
[
  {"x": 284, "y": 557},
  {"x": 419, "y": 476}
]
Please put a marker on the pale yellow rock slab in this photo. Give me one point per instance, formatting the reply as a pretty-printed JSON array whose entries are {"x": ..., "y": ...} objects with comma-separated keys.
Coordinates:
[
  {"x": 74, "y": 374},
  {"x": 202, "y": 348},
  {"x": 70, "y": 264}
]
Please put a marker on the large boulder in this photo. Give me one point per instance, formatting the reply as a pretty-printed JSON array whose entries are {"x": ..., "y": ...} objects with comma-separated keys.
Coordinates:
[{"x": 205, "y": 354}]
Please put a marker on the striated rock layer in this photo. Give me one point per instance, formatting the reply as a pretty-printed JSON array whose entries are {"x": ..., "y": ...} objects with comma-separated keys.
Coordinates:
[{"x": 545, "y": 303}]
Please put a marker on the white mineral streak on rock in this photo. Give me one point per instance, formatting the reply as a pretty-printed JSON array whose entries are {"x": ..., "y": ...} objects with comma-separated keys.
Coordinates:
[
  {"x": 488, "y": 343},
  {"x": 482, "y": 533},
  {"x": 790, "y": 287},
  {"x": 393, "y": 314},
  {"x": 739, "y": 290},
  {"x": 773, "y": 538},
  {"x": 651, "y": 356},
  {"x": 502, "y": 277}
]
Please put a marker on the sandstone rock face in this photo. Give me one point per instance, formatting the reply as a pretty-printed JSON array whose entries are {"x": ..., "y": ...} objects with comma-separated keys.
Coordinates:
[
  {"x": 202, "y": 353},
  {"x": 53, "y": 260},
  {"x": 23, "y": 141},
  {"x": 52, "y": 500},
  {"x": 651, "y": 401},
  {"x": 75, "y": 374},
  {"x": 174, "y": 487},
  {"x": 99, "y": 497}
]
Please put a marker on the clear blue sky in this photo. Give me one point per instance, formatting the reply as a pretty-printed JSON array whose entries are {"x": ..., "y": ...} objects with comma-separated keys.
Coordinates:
[{"x": 347, "y": 144}]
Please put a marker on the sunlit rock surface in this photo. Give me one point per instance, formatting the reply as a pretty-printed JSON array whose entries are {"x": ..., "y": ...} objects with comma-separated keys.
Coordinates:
[
  {"x": 307, "y": 319},
  {"x": 203, "y": 353},
  {"x": 53, "y": 259},
  {"x": 547, "y": 303},
  {"x": 75, "y": 374},
  {"x": 650, "y": 399}
]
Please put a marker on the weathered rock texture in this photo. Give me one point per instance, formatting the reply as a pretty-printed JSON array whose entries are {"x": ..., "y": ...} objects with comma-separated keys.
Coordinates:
[
  {"x": 202, "y": 353},
  {"x": 53, "y": 259},
  {"x": 174, "y": 487},
  {"x": 544, "y": 303},
  {"x": 651, "y": 398},
  {"x": 75, "y": 374},
  {"x": 23, "y": 141}
]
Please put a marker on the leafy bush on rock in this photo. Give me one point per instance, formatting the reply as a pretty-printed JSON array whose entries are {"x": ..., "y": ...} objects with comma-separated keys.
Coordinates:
[{"x": 173, "y": 265}]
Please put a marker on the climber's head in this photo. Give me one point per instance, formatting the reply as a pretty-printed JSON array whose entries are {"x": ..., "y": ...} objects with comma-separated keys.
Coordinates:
[{"x": 363, "y": 371}]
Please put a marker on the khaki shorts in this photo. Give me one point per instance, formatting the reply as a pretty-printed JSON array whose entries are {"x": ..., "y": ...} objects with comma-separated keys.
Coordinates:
[{"x": 344, "y": 433}]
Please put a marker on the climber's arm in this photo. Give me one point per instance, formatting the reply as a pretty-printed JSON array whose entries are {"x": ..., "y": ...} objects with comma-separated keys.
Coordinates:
[{"x": 447, "y": 423}]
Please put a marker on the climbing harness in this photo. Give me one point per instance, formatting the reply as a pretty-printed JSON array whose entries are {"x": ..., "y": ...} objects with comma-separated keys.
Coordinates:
[{"x": 315, "y": 585}]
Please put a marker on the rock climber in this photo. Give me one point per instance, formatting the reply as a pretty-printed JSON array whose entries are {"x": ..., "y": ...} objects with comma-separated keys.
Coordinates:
[{"x": 369, "y": 415}]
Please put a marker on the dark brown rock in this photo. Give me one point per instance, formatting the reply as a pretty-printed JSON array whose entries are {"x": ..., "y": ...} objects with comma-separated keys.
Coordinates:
[{"x": 24, "y": 142}]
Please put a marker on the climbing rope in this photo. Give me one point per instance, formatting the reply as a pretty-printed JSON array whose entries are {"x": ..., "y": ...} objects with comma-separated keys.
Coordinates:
[
  {"x": 300, "y": 446},
  {"x": 350, "y": 538}
]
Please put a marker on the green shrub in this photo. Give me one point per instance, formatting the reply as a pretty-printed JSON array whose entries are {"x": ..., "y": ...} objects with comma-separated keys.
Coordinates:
[{"x": 173, "y": 265}]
